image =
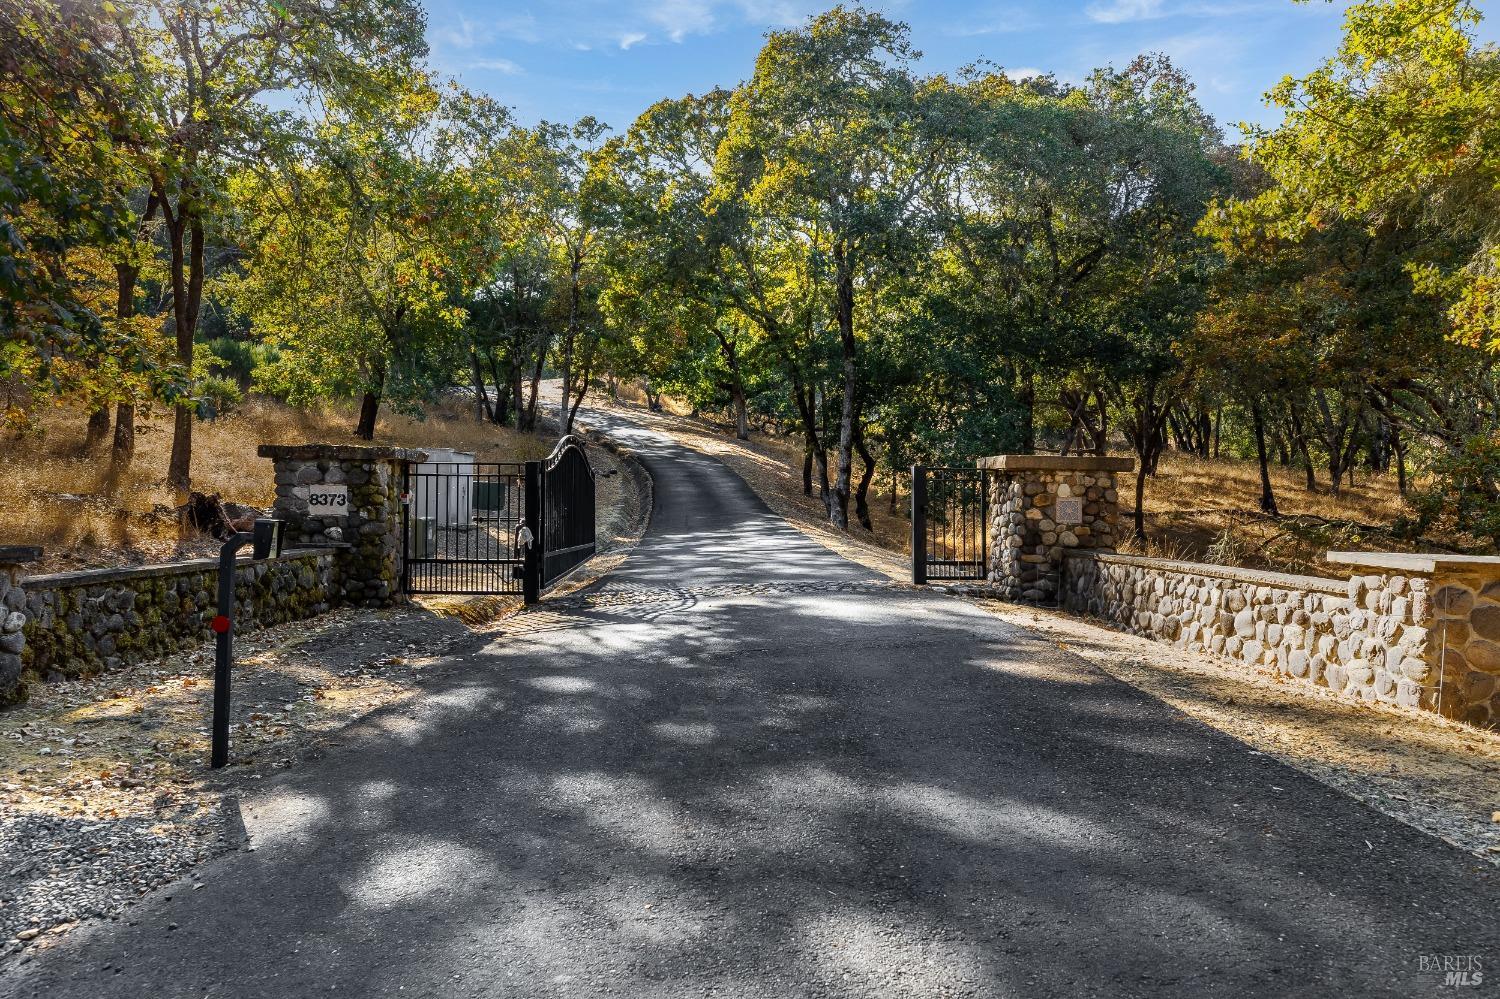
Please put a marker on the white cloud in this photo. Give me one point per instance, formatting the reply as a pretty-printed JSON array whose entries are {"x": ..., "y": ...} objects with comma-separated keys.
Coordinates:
[
  {"x": 1122, "y": 11},
  {"x": 468, "y": 34},
  {"x": 463, "y": 35},
  {"x": 498, "y": 66},
  {"x": 680, "y": 18},
  {"x": 778, "y": 12},
  {"x": 996, "y": 21},
  {"x": 1025, "y": 72},
  {"x": 584, "y": 25}
]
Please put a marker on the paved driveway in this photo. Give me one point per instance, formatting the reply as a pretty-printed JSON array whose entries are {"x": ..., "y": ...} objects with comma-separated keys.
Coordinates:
[{"x": 746, "y": 767}]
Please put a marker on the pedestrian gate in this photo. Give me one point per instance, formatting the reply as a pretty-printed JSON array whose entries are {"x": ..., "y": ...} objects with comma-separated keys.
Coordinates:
[
  {"x": 950, "y": 529},
  {"x": 509, "y": 527}
]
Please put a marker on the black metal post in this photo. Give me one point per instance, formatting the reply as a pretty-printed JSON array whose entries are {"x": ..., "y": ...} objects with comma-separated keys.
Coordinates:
[
  {"x": 531, "y": 569},
  {"x": 406, "y": 528},
  {"x": 223, "y": 626},
  {"x": 918, "y": 525}
]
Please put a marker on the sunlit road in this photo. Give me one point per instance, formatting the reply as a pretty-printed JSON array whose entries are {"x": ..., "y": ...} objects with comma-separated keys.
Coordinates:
[{"x": 745, "y": 767}]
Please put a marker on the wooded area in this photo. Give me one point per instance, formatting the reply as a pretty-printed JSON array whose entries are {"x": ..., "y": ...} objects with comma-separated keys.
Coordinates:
[{"x": 203, "y": 200}]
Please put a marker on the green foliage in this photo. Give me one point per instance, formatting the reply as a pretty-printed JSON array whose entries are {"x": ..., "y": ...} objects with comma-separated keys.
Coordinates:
[
  {"x": 1461, "y": 492},
  {"x": 1401, "y": 121},
  {"x": 896, "y": 267}
]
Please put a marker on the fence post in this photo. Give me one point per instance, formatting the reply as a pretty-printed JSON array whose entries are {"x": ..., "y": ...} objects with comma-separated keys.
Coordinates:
[
  {"x": 406, "y": 552},
  {"x": 918, "y": 525},
  {"x": 531, "y": 567}
]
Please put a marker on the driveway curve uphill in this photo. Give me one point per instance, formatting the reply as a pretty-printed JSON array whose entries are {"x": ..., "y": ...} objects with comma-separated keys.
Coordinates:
[{"x": 743, "y": 766}]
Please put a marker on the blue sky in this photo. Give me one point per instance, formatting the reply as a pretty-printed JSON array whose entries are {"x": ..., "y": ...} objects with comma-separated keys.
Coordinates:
[{"x": 566, "y": 58}]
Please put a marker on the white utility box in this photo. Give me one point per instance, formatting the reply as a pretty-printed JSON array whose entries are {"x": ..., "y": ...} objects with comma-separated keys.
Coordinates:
[{"x": 442, "y": 489}]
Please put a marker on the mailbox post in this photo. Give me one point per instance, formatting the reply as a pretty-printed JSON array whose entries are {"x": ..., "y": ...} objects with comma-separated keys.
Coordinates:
[{"x": 265, "y": 542}]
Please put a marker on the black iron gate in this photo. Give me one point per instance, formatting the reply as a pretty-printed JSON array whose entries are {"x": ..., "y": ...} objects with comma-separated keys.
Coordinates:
[
  {"x": 561, "y": 492},
  {"x": 497, "y": 528},
  {"x": 950, "y": 523}
]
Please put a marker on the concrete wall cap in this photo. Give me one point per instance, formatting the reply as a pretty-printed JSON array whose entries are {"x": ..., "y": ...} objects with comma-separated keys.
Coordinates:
[
  {"x": 1257, "y": 577},
  {"x": 96, "y": 577},
  {"x": 1406, "y": 562},
  {"x": 339, "y": 452},
  {"x": 1055, "y": 463}
]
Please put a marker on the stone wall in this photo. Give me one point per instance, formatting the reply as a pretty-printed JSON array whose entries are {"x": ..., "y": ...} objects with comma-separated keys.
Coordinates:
[
  {"x": 370, "y": 522},
  {"x": 80, "y": 623},
  {"x": 12, "y": 616},
  {"x": 1041, "y": 507},
  {"x": 1409, "y": 630}
]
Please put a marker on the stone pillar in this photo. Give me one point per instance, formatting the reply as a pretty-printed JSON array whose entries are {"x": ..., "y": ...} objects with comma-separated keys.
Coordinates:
[
  {"x": 13, "y": 619},
  {"x": 1042, "y": 506},
  {"x": 1428, "y": 626},
  {"x": 341, "y": 494}
]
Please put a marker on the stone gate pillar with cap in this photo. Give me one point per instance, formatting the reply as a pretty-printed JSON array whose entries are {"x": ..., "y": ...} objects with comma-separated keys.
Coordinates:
[
  {"x": 337, "y": 494},
  {"x": 1042, "y": 506}
]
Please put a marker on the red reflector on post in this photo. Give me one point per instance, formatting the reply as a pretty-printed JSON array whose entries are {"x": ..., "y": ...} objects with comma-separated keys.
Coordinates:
[{"x": 219, "y": 624}]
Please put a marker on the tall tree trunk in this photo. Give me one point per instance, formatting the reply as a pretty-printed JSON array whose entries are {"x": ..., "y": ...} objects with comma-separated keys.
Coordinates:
[
  {"x": 127, "y": 274},
  {"x": 1299, "y": 438},
  {"x": 500, "y": 414},
  {"x": 1399, "y": 443},
  {"x": 862, "y": 493},
  {"x": 838, "y": 505},
  {"x": 187, "y": 298},
  {"x": 1267, "y": 496},
  {"x": 369, "y": 412},
  {"x": 98, "y": 428},
  {"x": 514, "y": 383},
  {"x": 500, "y": 411},
  {"x": 805, "y": 398},
  {"x": 1026, "y": 395},
  {"x": 536, "y": 381},
  {"x": 736, "y": 385},
  {"x": 1076, "y": 403},
  {"x": 1101, "y": 437},
  {"x": 564, "y": 417},
  {"x": 484, "y": 412},
  {"x": 369, "y": 405},
  {"x": 122, "y": 448},
  {"x": 1146, "y": 428},
  {"x": 583, "y": 390},
  {"x": 1140, "y": 501}
]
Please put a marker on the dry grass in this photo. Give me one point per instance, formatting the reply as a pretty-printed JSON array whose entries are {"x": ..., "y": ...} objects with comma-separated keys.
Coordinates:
[
  {"x": 52, "y": 495},
  {"x": 1208, "y": 510}
]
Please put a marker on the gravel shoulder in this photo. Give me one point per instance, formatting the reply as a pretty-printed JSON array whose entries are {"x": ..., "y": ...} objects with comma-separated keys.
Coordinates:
[
  {"x": 105, "y": 792},
  {"x": 1439, "y": 776}
]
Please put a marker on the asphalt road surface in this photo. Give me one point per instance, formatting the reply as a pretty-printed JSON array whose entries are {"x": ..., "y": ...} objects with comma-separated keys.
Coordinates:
[{"x": 745, "y": 767}]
